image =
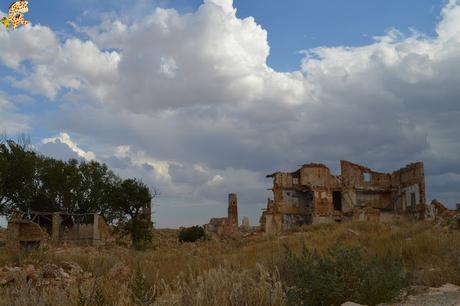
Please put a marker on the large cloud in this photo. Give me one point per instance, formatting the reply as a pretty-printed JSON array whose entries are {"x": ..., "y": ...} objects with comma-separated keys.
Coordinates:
[
  {"x": 72, "y": 65},
  {"x": 211, "y": 57},
  {"x": 188, "y": 102},
  {"x": 10, "y": 120}
]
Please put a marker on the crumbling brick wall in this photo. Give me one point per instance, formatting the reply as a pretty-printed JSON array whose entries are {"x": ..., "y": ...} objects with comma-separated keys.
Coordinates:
[
  {"x": 336, "y": 197},
  {"x": 60, "y": 228},
  {"x": 24, "y": 234},
  {"x": 219, "y": 228},
  {"x": 409, "y": 188},
  {"x": 233, "y": 209}
]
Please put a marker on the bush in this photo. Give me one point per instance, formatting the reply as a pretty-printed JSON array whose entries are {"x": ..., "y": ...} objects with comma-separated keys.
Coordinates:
[
  {"x": 141, "y": 233},
  {"x": 142, "y": 293},
  {"x": 191, "y": 234},
  {"x": 341, "y": 274}
]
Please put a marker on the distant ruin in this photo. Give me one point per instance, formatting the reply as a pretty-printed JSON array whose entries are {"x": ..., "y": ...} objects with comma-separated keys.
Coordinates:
[
  {"x": 312, "y": 195},
  {"x": 226, "y": 227},
  {"x": 28, "y": 231}
]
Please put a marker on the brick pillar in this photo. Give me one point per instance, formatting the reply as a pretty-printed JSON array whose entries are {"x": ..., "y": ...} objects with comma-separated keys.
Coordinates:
[
  {"x": 147, "y": 211},
  {"x": 56, "y": 228},
  {"x": 96, "y": 233},
  {"x": 233, "y": 209}
]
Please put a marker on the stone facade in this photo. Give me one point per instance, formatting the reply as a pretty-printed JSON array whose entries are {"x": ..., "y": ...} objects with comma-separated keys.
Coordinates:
[
  {"x": 313, "y": 195},
  {"x": 30, "y": 231},
  {"x": 23, "y": 234},
  {"x": 227, "y": 227}
]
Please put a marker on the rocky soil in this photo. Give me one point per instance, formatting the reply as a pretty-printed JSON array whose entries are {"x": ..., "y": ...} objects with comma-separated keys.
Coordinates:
[
  {"x": 49, "y": 274},
  {"x": 446, "y": 295}
]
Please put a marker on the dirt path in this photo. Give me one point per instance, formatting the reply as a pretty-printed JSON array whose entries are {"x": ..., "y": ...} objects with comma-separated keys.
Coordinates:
[{"x": 446, "y": 295}]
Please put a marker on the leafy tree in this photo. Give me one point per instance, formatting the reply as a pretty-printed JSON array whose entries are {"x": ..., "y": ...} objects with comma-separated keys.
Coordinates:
[
  {"x": 130, "y": 197},
  {"x": 30, "y": 181},
  {"x": 18, "y": 177},
  {"x": 97, "y": 188}
]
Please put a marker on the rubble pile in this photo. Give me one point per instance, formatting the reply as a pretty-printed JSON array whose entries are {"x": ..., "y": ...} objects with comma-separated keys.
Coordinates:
[{"x": 49, "y": 274}]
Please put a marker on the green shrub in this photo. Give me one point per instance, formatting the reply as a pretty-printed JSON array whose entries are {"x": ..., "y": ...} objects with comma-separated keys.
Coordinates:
[
  {"x": 191, "y": 234},
  {"x": 141, "y": 292},
  {"x": 141, "y": 233},
  {"x": 341, "y": 274}
]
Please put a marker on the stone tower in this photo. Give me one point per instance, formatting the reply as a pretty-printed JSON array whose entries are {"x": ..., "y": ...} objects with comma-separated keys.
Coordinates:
[{"x": 233, "y": 209}]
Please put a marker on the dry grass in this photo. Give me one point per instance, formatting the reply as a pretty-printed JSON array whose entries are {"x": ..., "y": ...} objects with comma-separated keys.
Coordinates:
[{"x": 235, "y": 272}]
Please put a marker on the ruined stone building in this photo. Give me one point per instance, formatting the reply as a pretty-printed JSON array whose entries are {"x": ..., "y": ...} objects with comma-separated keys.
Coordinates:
[
  {"x": 226, "y": 227},
  {"x": 313, "y": 195},
  {"x": 28, "y": 231},
  {"x": 233, "y": 209},
  {"x": 147, "y": 212}
]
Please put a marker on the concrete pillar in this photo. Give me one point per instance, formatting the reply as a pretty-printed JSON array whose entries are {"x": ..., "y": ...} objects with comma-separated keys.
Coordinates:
[
  {"x": 233, "y": 209},
  {"x": 56, "y": 228},
  {"x": 96, "y": 233}
]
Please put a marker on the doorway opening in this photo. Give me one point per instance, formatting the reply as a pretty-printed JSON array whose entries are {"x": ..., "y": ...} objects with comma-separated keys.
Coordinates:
[{"x": 337, "y": 200}]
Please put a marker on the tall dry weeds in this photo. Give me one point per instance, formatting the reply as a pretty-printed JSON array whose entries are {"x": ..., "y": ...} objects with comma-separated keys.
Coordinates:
[{"x": 234, "y": 272}]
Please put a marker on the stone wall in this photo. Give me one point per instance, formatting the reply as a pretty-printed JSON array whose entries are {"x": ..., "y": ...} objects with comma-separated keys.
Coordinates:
[{"x": 313, "y": 195}]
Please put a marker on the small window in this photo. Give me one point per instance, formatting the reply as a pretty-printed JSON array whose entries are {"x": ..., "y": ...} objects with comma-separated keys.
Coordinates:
[
  {"x": 367, "y": 177},
  {"x": 295, "y": 180}
]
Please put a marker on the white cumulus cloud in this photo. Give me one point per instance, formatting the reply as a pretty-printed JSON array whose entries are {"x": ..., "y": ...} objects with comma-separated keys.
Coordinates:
[
  {"x": 189, "y": 103},
  {"x": 64, "y": 138}
]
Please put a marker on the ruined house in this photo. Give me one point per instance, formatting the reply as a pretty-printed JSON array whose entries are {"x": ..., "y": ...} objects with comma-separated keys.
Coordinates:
[
  {"x": 24, "y": 234},
  {"x": 27, "y": 231},
  {"x": 226, "y": 227},
  {"x": 313, "y": 195}
]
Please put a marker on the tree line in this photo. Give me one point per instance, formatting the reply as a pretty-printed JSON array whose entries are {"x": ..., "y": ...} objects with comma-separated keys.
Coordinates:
[{"x": 30, "y": 181}]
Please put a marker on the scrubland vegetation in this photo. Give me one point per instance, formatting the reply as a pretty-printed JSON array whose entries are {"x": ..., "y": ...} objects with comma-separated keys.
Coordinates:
[{"x": 320, "y": 265}]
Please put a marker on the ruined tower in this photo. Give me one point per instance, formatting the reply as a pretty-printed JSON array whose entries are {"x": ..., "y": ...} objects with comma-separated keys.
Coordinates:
[
  {"x": 147, "y": 212},
  {"x": 233, "y": 209}
]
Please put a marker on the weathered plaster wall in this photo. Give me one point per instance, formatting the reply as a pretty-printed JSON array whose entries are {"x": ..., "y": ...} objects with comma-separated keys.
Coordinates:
[
  {"x": 357, "y": 187},
  {"x": 315, "y": 175},
  {"x": 296, "y": 202},
  {"x": 373, "y": 199}
]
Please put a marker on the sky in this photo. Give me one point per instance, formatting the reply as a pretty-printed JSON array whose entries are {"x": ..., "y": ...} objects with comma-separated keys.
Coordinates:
[{"x": 204, "y": 98}]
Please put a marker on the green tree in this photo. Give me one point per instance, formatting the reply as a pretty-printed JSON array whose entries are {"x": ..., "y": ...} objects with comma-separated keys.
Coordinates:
[
  {"x": 50, "y": 191},
  {"x": 30, "y": 181},
  {"x": 130, "y": 198},
  {"x": 97, "y": 188},
  {"x": 18, "y": 176}
]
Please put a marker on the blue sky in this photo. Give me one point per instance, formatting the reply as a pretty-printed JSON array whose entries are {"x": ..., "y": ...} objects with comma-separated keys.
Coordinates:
[
  {"x": 200, "y": 102},
  {"x": 293, "y": 25},
  {"x": 298, "y": 25}
]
